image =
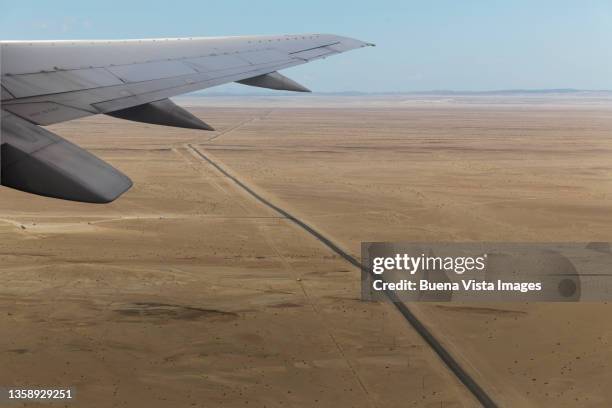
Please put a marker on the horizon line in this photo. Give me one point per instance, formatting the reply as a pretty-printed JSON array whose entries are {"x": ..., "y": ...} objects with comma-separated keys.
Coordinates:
[{"x": 534, "y": 91}]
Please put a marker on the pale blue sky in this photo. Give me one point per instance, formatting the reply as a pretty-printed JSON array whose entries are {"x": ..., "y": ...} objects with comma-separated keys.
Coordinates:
[{"x": 421, "y": 45}]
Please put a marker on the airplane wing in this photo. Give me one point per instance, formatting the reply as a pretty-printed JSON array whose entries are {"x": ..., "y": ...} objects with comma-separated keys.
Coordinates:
[{"x": 47, "y": 82}]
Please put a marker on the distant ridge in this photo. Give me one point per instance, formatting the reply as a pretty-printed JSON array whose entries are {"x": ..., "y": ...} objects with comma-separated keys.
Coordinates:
[
  {"x": 501, "y": 92},
  {"x": 514, "y": 92}
]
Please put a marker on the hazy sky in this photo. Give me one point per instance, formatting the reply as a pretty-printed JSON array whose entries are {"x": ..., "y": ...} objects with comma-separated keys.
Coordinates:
[{"x": 421, "y": 45}]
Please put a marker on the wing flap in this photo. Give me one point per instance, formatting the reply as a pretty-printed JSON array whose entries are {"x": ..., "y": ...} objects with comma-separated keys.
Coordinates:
[
  {"x": 45, "y": 83},
  {"x": 146, "y": 92},
  {"x": 45, "y": 113},
  {"x": 151, "y": 71}
]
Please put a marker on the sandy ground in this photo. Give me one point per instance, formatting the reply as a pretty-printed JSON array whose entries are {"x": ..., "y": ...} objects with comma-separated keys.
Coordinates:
[
  {"x": 186, "y": 291},
  {"x": 458, "y": 169}
]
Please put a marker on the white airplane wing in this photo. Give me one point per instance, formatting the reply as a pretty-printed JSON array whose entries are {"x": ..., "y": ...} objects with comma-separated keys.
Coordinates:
[{"x": 47, "y": 82}]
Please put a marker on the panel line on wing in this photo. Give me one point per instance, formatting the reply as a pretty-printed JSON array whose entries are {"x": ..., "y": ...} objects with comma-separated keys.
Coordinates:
[{"x": 314, "y": 48}]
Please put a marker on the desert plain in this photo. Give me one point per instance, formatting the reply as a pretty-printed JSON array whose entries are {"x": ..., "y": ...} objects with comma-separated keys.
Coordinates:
[{"x": 187, "y": 291}]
